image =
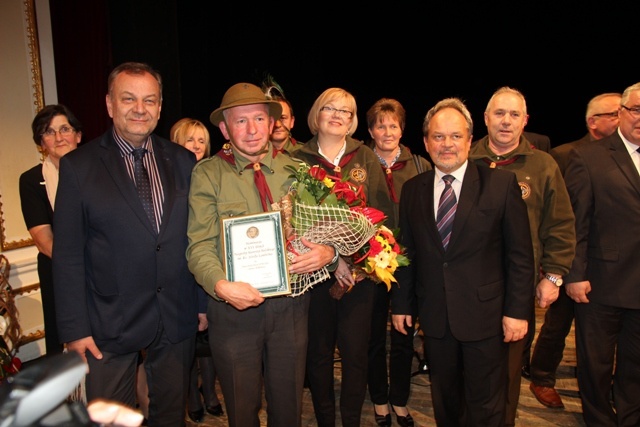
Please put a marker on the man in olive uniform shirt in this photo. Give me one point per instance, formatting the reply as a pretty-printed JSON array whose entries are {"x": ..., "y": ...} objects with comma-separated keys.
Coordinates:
[
  {"x": 548, "y": 206},
  {"x": 253, "y": 338}
]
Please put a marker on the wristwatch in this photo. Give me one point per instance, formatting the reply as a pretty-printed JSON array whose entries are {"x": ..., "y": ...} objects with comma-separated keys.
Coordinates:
[
  {"x": 556, "y": 280},
  {"x": 333, "y": 264}
]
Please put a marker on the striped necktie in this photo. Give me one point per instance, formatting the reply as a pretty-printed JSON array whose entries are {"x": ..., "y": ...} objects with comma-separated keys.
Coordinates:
[{"x": 446, "y": 211}]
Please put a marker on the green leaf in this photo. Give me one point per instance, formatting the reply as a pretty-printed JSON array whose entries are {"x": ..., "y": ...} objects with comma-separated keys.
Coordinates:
[
  {"x": 330, "y": 200},
  {"x": 403, "y": 260},
  {"x": 305, "y": 197}
]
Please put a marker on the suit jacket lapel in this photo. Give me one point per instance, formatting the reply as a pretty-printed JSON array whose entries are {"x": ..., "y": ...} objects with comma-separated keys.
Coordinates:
[
  {"x": 427, "y": 207},
  {"x": 621, "y": 156},
  {"x": 114, "y": 163},
  {"x": 167, "y": 176},
  {"x": 468, "y": 196}
]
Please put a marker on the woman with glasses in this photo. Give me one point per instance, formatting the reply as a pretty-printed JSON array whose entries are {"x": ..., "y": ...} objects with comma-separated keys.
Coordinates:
[
  {"x": 341, "y": 309},
  {"x": 56, "y": 131}
]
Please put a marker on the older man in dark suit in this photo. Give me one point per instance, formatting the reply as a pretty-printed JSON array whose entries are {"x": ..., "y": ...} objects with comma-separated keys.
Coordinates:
[
  {"x": 473, "y": 284},
  {"x": 120, "y": 272},
  {"x": 601, "y": 120},
  {"x": 603, "y": 181}
]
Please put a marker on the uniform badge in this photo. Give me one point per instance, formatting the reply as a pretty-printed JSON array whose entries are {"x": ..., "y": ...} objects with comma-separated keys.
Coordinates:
[
  {"x": 526, "y": 190},
  {"x": 358, "y": 174}
]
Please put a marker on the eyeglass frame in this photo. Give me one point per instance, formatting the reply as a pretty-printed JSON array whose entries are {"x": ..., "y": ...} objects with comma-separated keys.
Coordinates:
[
  {"x": 65, "y": 130},
  {"x": 634, "y": 111},
  {"x": 611, "y": 115},
  {"x": 341, "y": 113}
]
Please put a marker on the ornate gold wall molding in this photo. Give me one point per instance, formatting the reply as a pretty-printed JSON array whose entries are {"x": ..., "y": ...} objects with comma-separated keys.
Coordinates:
[
  {"x": 37, "y": 94},
  {"x": 34, "y": 54}
]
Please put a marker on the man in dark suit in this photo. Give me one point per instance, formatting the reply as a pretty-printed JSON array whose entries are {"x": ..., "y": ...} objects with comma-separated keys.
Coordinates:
[
  {"x": 601, "y": 120},
  {"x": 603, "y": 180},
  {"x": 475, "y": 295},
  {"x": 120, "y": 273}
]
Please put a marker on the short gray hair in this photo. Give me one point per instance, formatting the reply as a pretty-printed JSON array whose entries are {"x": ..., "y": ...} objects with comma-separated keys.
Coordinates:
[{"x": 456, "y": 104}]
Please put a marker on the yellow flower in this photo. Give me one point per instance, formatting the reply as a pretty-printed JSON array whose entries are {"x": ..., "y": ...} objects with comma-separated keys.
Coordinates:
[
  {"x": 382, "y": 259},
  {"x": 328, "y": 182}
]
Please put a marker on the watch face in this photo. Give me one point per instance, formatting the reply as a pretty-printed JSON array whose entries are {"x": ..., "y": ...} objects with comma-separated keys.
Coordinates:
[{"x": 555, "y": 280}]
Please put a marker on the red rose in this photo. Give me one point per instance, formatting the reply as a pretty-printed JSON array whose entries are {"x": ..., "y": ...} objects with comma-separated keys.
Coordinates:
[
  {"x": 317, "y": 172},
  {"x": 344, "y": 191}
]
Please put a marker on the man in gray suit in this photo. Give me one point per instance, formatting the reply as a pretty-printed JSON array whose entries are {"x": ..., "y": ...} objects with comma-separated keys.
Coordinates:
[
  {"x": 120, "y": 273},
  {"x": 603, "y": 181},
  {"x": 474, "y": 293}
]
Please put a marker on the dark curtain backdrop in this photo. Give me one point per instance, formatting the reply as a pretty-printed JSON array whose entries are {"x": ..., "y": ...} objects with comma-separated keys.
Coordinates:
[
  {"x": 82, "y": 50},
  {"x": 558, "y": 55}
]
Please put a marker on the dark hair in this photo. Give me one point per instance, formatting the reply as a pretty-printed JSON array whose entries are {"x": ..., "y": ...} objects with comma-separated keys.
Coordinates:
[
  {"x": 43, "y": 119},
  {"x": 138, "y": 68},
  {"x": 386, "y": 107}
]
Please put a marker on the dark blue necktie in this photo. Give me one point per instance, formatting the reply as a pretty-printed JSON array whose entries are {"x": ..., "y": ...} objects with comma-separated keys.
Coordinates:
[
  {"x": 143, "y": 185},
  {"x": 446, "y": 211}
]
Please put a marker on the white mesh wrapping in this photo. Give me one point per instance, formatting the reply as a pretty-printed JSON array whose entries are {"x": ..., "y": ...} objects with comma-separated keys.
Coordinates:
[{"x": 342, "y": 228}]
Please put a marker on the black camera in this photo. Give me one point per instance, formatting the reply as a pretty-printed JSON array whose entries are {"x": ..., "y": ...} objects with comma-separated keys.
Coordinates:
[{"x": 38, "y": 396}]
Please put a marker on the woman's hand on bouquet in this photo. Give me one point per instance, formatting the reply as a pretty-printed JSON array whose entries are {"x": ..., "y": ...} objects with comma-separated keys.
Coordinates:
[{"x": 344, "y": 274}]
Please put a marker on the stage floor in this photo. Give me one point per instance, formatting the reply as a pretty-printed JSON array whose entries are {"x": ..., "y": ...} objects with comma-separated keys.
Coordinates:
[{"x": 530, "y": 412}]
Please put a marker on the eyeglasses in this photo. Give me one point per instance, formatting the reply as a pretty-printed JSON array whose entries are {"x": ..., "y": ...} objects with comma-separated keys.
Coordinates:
[
  {"x": 63, "y": 131},
  {"x": 342, "y": 113},
  {"x": 634, "y": 111},
  {"x": 611, "y": 115}
]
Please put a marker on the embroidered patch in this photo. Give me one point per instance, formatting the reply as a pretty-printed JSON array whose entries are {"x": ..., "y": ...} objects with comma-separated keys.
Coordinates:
[
  {"x": 358, "y": 174},
  {"x": 526, "y": 190}
]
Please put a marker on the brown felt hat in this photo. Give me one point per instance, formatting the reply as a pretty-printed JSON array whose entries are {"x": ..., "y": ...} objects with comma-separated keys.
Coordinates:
[{"x": 244, "y": 94}]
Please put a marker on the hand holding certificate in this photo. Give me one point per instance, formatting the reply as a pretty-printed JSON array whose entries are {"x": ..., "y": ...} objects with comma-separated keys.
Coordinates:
[{"x": 255, "y": 252}]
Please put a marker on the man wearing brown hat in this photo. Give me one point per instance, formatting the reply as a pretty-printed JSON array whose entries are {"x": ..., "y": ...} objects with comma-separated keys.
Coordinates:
[{"x": 252, "y": 337}]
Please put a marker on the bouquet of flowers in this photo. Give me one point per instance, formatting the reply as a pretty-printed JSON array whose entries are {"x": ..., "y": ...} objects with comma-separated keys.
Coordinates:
[
  {"x": 325, "y": 209},
  {"x": 379, "y": 258}
]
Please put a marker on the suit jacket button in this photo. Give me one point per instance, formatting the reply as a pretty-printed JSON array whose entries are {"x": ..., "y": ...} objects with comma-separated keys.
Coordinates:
[
  {"x": 445, "y": 265},
  {"x": 158, "y": 248},
  {"x": 158, "y": 290}
]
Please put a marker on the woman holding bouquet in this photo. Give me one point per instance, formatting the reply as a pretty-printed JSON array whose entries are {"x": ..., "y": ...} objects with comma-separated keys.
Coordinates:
[
  {"x": 385, "y": 122},
  {"x": 340, "y": 313}
]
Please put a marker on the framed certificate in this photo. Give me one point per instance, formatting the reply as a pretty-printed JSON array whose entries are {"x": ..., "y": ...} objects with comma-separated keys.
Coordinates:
[{"x": 255, "y": 252}]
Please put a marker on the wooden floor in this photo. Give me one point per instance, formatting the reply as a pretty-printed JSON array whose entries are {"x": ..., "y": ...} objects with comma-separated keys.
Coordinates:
[{"x": 530, "y": 412}]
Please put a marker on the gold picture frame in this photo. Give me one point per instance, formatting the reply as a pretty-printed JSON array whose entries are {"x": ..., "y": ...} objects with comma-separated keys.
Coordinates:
[{"x": 26, "y": 98}]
